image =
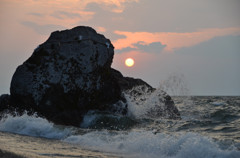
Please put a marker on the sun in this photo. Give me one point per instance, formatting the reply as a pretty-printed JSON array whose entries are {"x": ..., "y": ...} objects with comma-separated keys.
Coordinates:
[{"x": 129, "y": 62}]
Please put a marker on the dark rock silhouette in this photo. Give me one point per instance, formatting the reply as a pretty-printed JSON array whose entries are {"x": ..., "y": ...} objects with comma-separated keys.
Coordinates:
[
  {"x": 70, "y": 74},
  {"x": 4, "y": 102}
]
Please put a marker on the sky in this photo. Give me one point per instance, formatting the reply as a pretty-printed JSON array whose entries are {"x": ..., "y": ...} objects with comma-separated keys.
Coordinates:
[{"x": 187, "y": 46}]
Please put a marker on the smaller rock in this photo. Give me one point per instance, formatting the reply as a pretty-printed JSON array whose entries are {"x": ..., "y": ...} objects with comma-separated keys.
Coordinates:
[{"x": 127, "y": 83}]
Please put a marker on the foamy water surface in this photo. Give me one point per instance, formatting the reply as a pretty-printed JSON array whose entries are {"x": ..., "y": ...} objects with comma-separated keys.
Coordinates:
[{"x": 210, "y": 128}]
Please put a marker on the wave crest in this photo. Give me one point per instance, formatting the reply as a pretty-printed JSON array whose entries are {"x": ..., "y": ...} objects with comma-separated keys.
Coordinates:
[{"x": 33, "y": 126}]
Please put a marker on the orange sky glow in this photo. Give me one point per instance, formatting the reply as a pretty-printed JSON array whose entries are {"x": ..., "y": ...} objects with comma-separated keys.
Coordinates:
[{"x": 172, "y": 40}]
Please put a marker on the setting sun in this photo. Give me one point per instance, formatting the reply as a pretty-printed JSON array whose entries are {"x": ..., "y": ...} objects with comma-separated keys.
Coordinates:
[{"x": 129, "y": 62}]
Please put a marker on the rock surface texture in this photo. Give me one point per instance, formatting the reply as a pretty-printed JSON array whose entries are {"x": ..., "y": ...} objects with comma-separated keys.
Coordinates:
[{"x": 70, "y": 74}]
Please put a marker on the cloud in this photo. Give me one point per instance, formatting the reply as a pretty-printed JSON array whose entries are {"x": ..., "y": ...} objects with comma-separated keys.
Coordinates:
[
  {"x": 225, "y": 46},
  {"x": 36, "y": 14},
  {"x": 124, "y": 50},
  {"x": 42, "y": 29},
  {"x": 167, "y": 16},
  {"x": 172, "y": 40},
  {"x": 100, "y": 29},
  {"x": 155, "y": 47},
  {"x": 64, "y": 14},
  {"x": 212, "y": 66},
  {"x": 116, "y": 6}
]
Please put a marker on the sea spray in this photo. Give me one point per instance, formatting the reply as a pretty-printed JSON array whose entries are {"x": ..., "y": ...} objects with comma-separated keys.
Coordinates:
[
  {"x": 175, "y": 85},
  {"x": 146, "y": 103},
  {"x": 140, "y": 100}
]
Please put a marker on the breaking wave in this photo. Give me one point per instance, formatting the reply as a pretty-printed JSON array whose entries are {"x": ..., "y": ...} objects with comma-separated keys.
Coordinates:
[
  {"x": 136, "y": 142},
  {"x": 149, "y": 144},
  {"x": 33, "y": 126}
]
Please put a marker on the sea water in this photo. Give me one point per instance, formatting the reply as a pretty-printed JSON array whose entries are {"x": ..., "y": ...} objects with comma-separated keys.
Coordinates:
[{"x": 209, "y": 128}]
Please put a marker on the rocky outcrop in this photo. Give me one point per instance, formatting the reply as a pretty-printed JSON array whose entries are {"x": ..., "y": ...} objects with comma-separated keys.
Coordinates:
[
  {"x": 127, "y": 83},
  {"x": 4, "y": 102},
  {"x": 156, "y": 102},
  {"x": 70, "y": 74}
]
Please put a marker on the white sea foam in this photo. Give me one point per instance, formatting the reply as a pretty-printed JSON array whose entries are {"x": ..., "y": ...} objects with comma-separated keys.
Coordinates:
[
  {"x": 141, "y": 101},
  {"x": 147, "y": 144},
  {"x": 33, "y": 126},
  {"x": 88, "y": 120},
  {"x": 218, "y": 103},
  {"x": 135, "y": 143}
]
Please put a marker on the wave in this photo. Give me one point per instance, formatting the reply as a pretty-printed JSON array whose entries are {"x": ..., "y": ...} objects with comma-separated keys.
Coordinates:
[
  {"x": 104, "y": 120},
  {"x": 148, "y": 144},
  {"x": 33, "y": 126},
  {"x": 128, "y": 143},
  {"x": 218, "y": 103}
]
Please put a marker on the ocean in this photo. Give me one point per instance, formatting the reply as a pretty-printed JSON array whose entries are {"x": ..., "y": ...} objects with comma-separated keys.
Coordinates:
[{"x": 209, "y": 128}]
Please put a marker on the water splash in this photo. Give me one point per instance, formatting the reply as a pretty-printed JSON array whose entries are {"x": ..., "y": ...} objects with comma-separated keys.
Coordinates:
[
  {"x": 175, "y": 85},
  {"x": 144, "y": 102},
  {"x": 140, "y": 100}
]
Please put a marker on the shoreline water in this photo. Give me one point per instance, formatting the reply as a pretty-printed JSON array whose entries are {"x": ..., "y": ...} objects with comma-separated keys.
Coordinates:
[{"x": 23, "y": 146}]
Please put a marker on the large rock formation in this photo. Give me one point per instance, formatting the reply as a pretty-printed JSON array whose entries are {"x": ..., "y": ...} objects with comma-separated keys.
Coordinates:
[
  {"x": 4, "y": 102},
  {"x": 70, "y": 74}
]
